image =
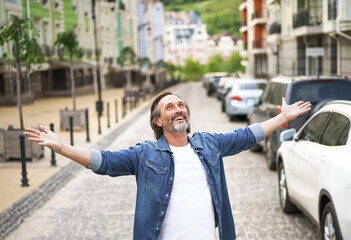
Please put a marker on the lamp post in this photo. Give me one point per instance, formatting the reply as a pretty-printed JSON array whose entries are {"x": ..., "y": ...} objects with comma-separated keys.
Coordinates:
[{"x": 99, "y": 103}]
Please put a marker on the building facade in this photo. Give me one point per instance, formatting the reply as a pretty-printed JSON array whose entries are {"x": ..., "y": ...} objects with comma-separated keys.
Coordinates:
[
  {"x": 224, "y": 45},
  {"x": 185, "y": 36},
  {"x": 289, "y": 29}
]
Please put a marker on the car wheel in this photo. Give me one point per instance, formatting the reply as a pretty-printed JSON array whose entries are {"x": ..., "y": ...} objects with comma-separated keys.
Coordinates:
[
  {"x": 285, "y": 203},
  {"x": 329, "y": 224},
  {"x": 270, "y": 156}
]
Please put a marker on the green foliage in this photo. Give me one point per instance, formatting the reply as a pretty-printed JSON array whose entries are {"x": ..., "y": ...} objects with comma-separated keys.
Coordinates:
[
  {"x": 193, "y": 70},
  {"x": 218, "y": 15},
  {"x": 25, "y": 49},
  {"x": 145, "y": 61},
  {"x": 171, "y": 70},
  {"x": 234, "y": 64},
  {"x": 69, "y": 41},
  {"x": 215, "y": 64},
  {"x": 127, "y": 56}
]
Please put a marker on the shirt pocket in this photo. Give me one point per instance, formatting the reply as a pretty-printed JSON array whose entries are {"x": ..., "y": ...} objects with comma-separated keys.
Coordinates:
[{"x": 153, "y": 175}]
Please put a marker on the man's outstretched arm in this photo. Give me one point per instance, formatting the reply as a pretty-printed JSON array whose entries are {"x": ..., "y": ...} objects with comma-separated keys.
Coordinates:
[
  {"x": 49, "y": 139},
  {"x": 288, "y": 113}
]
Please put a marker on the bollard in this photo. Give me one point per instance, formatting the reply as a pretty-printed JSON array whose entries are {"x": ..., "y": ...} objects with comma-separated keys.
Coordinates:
[
  {"x": 108, "y": 115},
  {"x": 53, "y": 159},
  {"x": 116, "y": 110},
  {"x": 123, "y": 107},
  {"x": 23, "y": 159},
  {"x": 130, "y": 103},
  {"x": 87, "y": 123},
  {"x": 71, "y": 129}
]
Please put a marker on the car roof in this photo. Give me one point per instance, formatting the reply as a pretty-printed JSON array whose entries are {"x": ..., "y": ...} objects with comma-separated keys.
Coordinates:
[
  {"x": 289, "y": 79},
  {"x": 216, "y": 74},
  {"x": 338, "y": 106}
]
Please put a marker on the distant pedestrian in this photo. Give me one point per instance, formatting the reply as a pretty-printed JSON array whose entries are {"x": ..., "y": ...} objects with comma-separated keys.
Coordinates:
[{"x": 182, "y": 191}]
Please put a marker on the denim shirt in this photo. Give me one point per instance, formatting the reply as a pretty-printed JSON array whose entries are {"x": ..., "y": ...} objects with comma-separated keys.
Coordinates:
[{"x": 152, "y": 163}]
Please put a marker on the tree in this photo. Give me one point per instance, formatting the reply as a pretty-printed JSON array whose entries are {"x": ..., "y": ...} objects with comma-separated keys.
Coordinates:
[
  {"x": 171, "y": 69},
  {"x": 128, "y": 56},
  {"x": 25, "y": 49},
  {"x": 68, "y": 41},
  {"x": 215, "y": 64},
  {"x": 234, "y": 63},
  {"x": 193, "y": 70}
]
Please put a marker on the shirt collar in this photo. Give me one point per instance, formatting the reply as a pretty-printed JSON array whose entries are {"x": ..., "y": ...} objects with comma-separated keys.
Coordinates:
[{"x": 163, "y": 145}]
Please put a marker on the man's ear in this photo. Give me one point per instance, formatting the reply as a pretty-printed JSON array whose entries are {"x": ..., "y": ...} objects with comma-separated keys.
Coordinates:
[{"x": 158, "y": 122}]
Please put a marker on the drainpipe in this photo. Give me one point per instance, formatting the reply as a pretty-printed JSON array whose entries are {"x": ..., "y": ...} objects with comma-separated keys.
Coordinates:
[
  {"x": 338, "y": 18},
  {"x": 30, "y": 37},
  {"x": 307, "y": 63},
  {"x": 338, "y": 52}
]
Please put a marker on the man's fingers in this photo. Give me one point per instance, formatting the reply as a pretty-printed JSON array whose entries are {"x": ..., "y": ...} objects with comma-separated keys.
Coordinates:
[
  {"x": 38, "y": 140},
  {"x": 31, "y": 130},
  {"x": 43, "y": 128},
  {"x": 32, "y": 135}
]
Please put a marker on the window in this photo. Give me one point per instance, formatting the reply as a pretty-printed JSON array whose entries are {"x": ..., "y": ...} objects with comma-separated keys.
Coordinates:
[
  {"x": 344, "y": 135},
  {"x": 334, "y": 129},
  {"x": 314, "y": 129}
]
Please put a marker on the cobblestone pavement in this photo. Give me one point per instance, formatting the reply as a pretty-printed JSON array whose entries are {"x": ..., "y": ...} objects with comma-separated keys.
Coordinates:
[{"x": 100, "y": 207}]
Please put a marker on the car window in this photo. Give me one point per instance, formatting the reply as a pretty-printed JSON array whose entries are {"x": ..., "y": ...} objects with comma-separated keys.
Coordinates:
[
  {"x": 314, "y": 129},
  {"x": 344, "y": 135},
  {"x": 317, "y": 91},
  {"x": 277, "y": 90},
  {"x": 250, "y": 86},
  {"x": 334, "y": 129}
]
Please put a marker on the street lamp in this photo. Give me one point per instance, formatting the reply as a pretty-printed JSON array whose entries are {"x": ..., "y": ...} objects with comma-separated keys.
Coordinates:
[{"x": 99, "y": 103}]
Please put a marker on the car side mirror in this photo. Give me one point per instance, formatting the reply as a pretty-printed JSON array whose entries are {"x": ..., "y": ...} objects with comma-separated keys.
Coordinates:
[{"x": 287, "y": 135}]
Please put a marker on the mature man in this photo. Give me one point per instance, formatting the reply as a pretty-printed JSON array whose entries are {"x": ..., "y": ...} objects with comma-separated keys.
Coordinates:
[{"x": 182, "y": 191}]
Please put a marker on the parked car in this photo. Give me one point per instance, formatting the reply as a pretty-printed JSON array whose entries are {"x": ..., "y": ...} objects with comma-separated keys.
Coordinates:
[
  {"x": 223, "y": 90},
  {"x": 213, "y": 82},
  {"x": 318, "y": 91},
  {"x": 242, "y": 96},
  {"x": 208, "y": 76},
  {"x": 314, "y": 173}
]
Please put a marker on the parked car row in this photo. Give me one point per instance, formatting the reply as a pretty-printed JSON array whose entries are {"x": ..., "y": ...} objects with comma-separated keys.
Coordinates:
[
  {"x": 237, "y": 95},
  {"x": 312, "y": 153}
]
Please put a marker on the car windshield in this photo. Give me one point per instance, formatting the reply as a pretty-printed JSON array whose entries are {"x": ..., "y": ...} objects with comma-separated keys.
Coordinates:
[
  {"x": 250, "y": 86},
  {"x": 317, "y": 91}
]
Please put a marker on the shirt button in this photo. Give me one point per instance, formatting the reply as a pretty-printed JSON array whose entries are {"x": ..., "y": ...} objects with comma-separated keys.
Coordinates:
[
  {"x": 170, "y": 178},
  {"x": 157, "y": 228},
  {"x": 162, "y": 213},
  {"x": 167, "y": 195}
]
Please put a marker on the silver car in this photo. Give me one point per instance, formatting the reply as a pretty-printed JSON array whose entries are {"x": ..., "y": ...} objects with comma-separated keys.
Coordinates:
[{"x": 243, "y": 95}]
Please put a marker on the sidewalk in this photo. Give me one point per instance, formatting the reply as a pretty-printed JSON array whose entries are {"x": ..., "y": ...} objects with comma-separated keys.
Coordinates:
[{"x": 46, "y": 111}]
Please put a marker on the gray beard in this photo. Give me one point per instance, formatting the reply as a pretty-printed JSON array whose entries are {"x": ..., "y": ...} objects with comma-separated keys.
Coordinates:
[{"x": 179, "y": 128}]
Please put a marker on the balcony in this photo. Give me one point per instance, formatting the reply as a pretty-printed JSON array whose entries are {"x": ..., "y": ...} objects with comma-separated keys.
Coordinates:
[
  {"x": 243, "y": 26},
  {"x": 332, "y": 9},
  {"x": 243, "y": 5},
  {"x": 307, "y": 22},
  {"x": 307, "y": 18},
  {"x": 259, "y": 46},
  {"x": 258, "y": 16}
]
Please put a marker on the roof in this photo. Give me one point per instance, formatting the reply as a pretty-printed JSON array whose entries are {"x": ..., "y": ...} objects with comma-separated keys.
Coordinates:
[
  {"x": 288, "y": 79},
  {"x": 194, "y": 18}
]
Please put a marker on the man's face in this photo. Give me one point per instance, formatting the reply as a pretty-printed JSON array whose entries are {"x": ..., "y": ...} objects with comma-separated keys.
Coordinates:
[{"x": 174, "y": 115}]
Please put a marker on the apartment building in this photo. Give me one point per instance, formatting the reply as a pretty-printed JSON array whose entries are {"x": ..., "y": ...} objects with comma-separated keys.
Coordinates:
[
  {"x": 185, "y": 36},
  {"x": 279, "y": 34},
  {"x": 224, "y": 45}
]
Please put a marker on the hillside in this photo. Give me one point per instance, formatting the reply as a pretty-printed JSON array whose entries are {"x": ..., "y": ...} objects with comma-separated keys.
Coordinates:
[{"x": 218, "y": 15}]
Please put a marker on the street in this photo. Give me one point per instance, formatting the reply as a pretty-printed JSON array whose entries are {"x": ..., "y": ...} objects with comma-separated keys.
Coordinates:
[{"x": 100, "y": 207}]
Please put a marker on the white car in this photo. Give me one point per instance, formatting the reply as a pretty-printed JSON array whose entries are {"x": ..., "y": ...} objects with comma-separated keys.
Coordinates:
[
  {"x": 315, "y": 170},
  {"x": 242, "y": 96}
]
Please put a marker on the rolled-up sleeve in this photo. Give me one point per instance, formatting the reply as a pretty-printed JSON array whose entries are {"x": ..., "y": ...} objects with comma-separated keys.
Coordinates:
[
  {"x": 257, "y": 131},
  {"x": 95, "y": 161}
]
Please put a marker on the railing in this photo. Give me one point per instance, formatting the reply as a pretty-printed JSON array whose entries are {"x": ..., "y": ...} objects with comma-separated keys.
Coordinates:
[
  {"x": 275, "y": 28},
  {"x": 258, "y": 13},
  {"x": 259, "y": 43},
  {"x": 310, "y": 17},
  {"x": 243, "y": 23}
]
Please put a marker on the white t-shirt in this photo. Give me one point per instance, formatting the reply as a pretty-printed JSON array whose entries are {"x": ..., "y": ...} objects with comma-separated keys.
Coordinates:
[{"x": 190, "y": 214}]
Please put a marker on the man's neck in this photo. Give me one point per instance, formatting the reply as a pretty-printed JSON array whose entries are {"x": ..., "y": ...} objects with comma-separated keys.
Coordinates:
[{"x": 176, "y": 139}]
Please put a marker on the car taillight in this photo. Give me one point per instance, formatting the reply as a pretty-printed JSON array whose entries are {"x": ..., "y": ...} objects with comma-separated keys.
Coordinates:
[
  {"x": 285, "y": 125},
  {"x": 237, "y": 98}
]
